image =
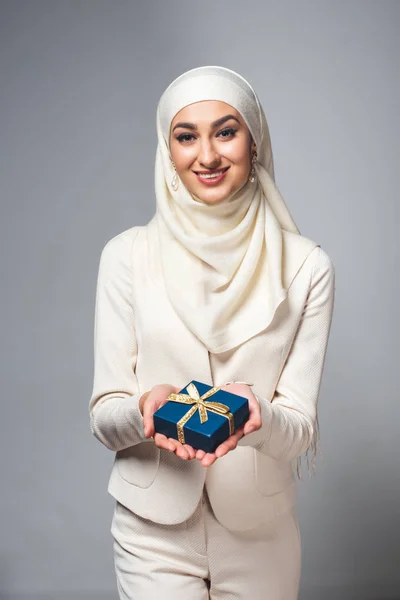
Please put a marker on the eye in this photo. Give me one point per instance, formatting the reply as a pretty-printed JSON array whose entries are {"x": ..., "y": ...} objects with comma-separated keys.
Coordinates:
[
  {"x": 227, "y": 133},
  {"x": 185, "y": 137}
]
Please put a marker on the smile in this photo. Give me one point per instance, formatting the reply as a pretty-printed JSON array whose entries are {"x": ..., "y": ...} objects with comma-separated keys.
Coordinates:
[{"x": 211, "y": 178}]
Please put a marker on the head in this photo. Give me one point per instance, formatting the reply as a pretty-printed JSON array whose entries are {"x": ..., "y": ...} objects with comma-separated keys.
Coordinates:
[
  {"x": 210, "y": 125},
  {"x": 212, "y": 149}
]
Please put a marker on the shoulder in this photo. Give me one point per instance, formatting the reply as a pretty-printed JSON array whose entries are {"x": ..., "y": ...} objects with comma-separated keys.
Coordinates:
[
  {"x": 323, "y": 274},
  {"x": 120, "y": 247},
  {"x": 300, "y": 252},
  {"x": 322, "y": 262},
  {"x": 116, "y": 255},
  {"x": 121, "y": 242}
]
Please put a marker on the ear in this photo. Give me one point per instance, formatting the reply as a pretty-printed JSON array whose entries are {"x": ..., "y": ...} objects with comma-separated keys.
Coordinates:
[
  {"x": 251, "y": 142},
  {"x": 253, "y": 146}
]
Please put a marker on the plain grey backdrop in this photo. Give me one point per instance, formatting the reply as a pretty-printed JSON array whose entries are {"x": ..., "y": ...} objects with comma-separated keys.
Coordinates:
[{"x": 80, "y": 82}]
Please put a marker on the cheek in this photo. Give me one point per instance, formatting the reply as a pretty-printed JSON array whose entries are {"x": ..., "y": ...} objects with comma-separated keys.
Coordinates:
[
  {"x": 183, "y": 157},
  {"x": 238, "y": 153}
]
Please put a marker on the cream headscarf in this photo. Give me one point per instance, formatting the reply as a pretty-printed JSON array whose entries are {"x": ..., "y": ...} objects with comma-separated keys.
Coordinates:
[{"x": 221, "y": 264}]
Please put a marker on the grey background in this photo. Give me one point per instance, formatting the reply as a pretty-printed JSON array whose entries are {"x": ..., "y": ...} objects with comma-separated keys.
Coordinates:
[{"x": 80, "y": 81}]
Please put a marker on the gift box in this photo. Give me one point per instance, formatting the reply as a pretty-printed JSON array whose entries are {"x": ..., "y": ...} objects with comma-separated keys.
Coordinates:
[{"x": 201, "y": 415}]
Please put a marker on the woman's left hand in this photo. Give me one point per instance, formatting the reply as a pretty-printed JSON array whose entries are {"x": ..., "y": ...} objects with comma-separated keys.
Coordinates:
[{"x": 252, "y": 424}]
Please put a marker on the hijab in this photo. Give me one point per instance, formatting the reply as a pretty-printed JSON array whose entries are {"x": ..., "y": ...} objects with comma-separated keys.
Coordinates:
[{"x": 221, "y": 264}]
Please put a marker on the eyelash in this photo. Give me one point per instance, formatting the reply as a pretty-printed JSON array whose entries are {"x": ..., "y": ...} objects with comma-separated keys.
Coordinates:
[{"x": 183, "y": 137}]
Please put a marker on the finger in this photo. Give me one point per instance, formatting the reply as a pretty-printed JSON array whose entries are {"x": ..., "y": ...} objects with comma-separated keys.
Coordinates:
[
  {"x": 200, "y": 454},
  {"x": 208, "y": 459},
  {"x": 191, "y": 451},
  {"x": 148, "y": 422},
  {"x": 181, "y": 451},
  {"x": 254, "y": 421},
  {"x": 229, "y": 444},
  {"x": 158, "y": 397},
  {"x": 163, "y": 442},
  {"x": 172, "y": 445},
  {"x": 252, "y": 425}
]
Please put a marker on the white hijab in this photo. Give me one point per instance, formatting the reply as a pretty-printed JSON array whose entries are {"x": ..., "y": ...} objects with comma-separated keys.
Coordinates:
[{"x": 222, "y": 263}]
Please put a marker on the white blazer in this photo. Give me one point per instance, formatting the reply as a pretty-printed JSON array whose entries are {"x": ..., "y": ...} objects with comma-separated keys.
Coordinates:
[{"x": 140, "y": 342}]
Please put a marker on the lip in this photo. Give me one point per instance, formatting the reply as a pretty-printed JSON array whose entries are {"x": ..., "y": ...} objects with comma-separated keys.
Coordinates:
[{"x": 211, "y": 180}]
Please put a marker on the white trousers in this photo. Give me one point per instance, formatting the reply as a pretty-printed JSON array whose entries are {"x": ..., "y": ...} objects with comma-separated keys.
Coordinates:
[{"x": 200, "y": 559}]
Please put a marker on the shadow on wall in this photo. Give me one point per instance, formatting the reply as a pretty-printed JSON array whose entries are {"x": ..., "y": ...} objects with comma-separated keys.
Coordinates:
[
  {"x": 351, "y": 593},
  {"x": 362, "y": 527}
]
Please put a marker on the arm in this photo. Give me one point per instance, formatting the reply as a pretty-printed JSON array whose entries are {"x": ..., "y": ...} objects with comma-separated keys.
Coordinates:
[
  {"x": 115, "y": 418},
  {"x": 290, "y": 420}
]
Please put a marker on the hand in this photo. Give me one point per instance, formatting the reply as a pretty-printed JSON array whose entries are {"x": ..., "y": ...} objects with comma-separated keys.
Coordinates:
[
  {"x": 148, "y": 404},
  {"x": 253, "y": 423}
]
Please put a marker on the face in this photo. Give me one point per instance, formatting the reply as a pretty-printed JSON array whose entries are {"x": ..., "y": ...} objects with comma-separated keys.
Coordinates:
[{"x": 212, "y": 148}]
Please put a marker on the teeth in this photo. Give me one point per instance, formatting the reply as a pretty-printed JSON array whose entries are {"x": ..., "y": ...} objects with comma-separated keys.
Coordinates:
[{"x": 210, "y": 175}]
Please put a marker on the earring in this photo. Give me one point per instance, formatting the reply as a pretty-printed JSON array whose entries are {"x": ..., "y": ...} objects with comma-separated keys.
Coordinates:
[
  {"x": 252, "y": 176},
  {"x": 175, "y": 179}
]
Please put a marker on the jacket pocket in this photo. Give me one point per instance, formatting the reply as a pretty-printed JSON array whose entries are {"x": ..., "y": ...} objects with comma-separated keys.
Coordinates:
[
  {"x": 272, "y": 476},
  {"x": 139, "y": 464}
]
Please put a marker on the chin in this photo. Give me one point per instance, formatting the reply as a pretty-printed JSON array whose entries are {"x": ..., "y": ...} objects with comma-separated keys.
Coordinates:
[{"x": 212, "y": 197}]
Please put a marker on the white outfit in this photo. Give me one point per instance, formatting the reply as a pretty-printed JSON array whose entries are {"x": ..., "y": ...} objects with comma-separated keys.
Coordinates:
[
  {"x": 179, "y": 562},
  {"x": 144, "y": 337}
]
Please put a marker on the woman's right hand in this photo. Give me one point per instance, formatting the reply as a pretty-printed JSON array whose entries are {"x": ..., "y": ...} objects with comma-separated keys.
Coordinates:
[{"x": 151, "y": 401}]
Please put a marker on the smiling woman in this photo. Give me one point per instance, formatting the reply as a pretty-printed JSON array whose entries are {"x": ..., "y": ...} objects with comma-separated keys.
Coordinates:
[
  {"x": 218, "y": 287},
  {"x": 212, "y": 149}
]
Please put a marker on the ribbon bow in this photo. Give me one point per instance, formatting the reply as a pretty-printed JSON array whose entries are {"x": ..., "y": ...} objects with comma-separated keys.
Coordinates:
[{"x": 200, "y": 404}]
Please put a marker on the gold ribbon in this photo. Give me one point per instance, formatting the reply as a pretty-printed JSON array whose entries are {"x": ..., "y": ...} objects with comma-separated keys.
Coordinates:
[{"x": 200, "y": 404}]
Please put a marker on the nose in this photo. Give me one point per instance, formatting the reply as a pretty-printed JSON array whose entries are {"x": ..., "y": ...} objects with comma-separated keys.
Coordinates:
[{"x": 208, "y": 156}]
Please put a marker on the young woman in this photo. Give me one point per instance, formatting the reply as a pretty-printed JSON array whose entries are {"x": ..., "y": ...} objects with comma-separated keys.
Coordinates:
[{"x": 219, "y": 287}]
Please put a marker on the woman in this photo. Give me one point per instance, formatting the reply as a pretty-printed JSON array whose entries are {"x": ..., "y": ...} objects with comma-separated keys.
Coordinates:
[{"x": 219, "y": 287}]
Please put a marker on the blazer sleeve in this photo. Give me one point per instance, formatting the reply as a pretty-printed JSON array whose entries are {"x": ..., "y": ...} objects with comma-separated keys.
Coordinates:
[
  {"x": 290, "y": 419},
  {"x": 115, "y": 418}
]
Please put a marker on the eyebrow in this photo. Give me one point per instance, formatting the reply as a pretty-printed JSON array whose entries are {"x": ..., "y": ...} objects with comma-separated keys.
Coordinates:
[{"x": 214, "y": 124}]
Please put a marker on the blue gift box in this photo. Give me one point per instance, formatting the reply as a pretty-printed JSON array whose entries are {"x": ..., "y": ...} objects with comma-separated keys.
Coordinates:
[{"x": 232, "y": 411}]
